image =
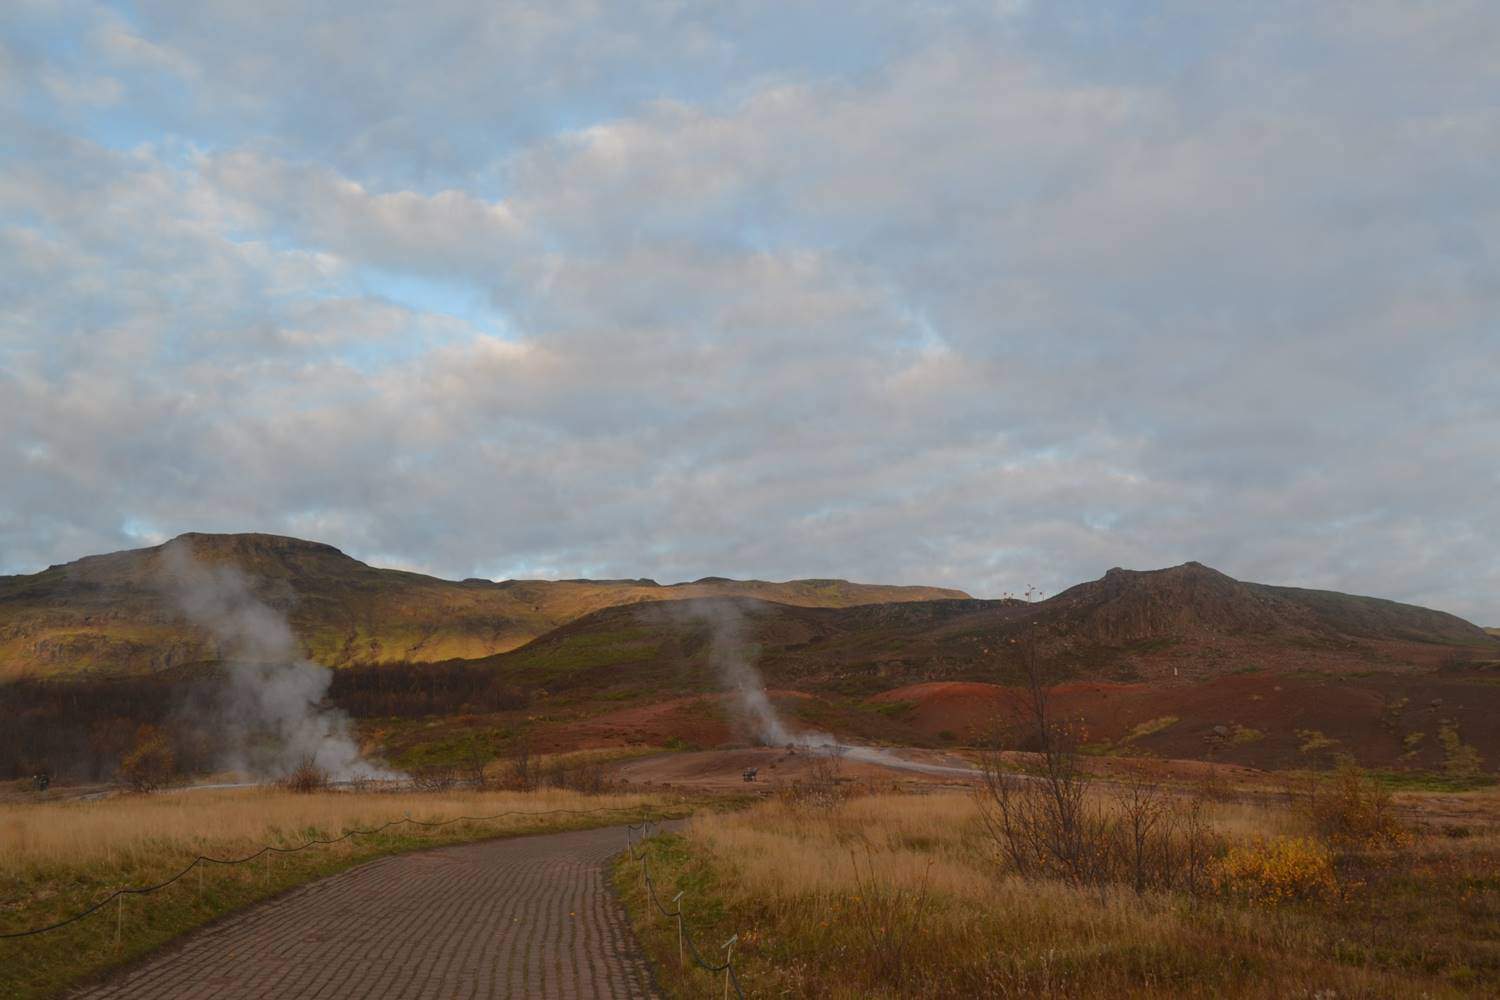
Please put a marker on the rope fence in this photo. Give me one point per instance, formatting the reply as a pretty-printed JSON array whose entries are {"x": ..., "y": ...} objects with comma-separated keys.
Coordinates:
[
  {"x": 269, "y": 849},
  {"x": 684, "y": 938}
]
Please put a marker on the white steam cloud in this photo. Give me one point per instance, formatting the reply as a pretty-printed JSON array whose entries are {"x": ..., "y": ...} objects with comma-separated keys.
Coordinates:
[
  {"x": 270, "y": 715},
  {"x": 732, "y": 656}
]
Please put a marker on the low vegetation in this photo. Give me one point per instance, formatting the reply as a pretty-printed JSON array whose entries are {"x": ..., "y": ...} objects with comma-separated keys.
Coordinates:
[
  {"x": 1049, "y": 882},
  {"x": 57, "y": 859},
  {"x": 910, "y": 896}
]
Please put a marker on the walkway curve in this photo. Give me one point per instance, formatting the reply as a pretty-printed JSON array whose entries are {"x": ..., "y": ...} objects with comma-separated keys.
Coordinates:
[{"x": 516, "y": 917}]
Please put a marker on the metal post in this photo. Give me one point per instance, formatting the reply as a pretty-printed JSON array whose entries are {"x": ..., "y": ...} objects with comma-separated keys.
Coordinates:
[
  {"x": 268, "y": 868},
  {"x": 119, "y": 918},
  {"x": 200, "y": 879},
  {"x": 728, "y": 961},
  {"x": 678, "y": 901}
]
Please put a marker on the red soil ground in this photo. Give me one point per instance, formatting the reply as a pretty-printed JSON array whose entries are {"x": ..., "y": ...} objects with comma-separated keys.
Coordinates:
[
  {"x": 697, "y": 721},
  {"x": 1258, "y": 720}
]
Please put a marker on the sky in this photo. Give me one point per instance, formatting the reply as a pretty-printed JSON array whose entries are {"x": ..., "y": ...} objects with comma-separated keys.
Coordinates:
[{"x": 985, "y": 295}]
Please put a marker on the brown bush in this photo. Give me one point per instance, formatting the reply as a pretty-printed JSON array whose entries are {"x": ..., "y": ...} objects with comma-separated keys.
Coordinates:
[
  {"x": 522, "y": 771},
  {"x": 824, "y": 787},
  {"x": 476, "y": 768},
  {"x": 434, "y": 779},
  {"x": 1049, "y": 823},
  {"x": 588, "y": 777},
  {"x": 307, "y": 777},
  {"x": 1053, "y": 825},
  {"x": 1352, "y": 812},
  {"x": 150, "y": 764}
]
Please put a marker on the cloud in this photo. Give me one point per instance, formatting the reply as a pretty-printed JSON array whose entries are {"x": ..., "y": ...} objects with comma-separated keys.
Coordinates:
[{"x": 981, "y": 297}]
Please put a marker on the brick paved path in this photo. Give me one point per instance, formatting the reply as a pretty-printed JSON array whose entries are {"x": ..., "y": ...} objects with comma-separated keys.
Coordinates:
[{"x": 521, "y": 917}]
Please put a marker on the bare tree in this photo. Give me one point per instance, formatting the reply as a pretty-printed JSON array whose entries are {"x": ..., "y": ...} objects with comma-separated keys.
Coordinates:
[
  {"x": 523, "y": 770},
  {"x": 1050, "y": 822},
  {"x": 1038, "y": 819},
  {"x": 475, "y": 764}
]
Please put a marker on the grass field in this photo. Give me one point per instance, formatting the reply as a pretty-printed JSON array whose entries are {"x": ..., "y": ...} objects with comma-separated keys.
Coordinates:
[
  {"x": 58, "y": 858},
  {"x": 903, "y": 896}
]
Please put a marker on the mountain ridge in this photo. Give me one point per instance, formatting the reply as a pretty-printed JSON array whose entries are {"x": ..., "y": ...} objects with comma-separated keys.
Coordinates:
[
  {"x": 110, "y": 613},
  {"x": 1182, "y": 623}
]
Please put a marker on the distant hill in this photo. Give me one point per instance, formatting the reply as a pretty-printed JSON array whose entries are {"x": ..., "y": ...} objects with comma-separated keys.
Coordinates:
[
  {"x": 1191, "y": 599},
  {"x": 111, "y": 614},
  {"x": 1186, "y": 622}
]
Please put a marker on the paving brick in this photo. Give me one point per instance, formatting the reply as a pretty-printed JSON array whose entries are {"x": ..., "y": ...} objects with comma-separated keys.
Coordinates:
[{"x": 522, "y": 917}]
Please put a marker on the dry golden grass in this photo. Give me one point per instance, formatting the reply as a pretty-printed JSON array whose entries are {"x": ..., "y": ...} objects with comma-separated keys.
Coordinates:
[
  {"x": 130, "y": 830},
  {"x": 817, "y": 897},
  {"x": 56, "y": 859}
]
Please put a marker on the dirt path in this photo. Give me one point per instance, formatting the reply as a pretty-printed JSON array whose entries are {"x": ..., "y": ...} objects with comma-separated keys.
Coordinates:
[{"x": 521, "y": 917}]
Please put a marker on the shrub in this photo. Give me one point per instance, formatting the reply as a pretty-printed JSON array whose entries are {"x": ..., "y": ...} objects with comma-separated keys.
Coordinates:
[
  {"x": 434, "y": 779},
  {"x": 307, "y": 777},
  {"x": 1278, "y": 871},
  {"x": 1460, "y": 760},
  {"x": 824, "y": 788},
  {"x": 1140, "y": 835},
  {"x": 475, "y": 764},
  {"x": 523, "y": 769},
  {"x": 1352, "y": 812},
  {"x": 1048, "y": 825},
  {"x": 588, "y": 777},
  {"x": 150, "y": 763}
]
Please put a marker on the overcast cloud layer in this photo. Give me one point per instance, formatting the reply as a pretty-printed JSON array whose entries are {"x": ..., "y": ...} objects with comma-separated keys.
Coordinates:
[{"x": 982, "y": 295}]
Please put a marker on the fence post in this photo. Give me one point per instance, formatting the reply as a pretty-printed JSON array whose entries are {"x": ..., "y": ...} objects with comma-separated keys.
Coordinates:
[
  {"x": 119, "y": 918},
  {"x": 678, "y": 901},
  {"x": 728, "y": 961}
]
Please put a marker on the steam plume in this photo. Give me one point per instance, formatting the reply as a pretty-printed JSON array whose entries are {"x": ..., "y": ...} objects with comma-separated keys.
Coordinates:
[
  {"x": 268, "y": 715},
  {"x": 732, "y": 656}
]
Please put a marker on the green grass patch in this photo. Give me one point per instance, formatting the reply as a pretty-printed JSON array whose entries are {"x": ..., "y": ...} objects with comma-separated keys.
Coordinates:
[
  {"x": 1313, "y": 741},
  {"x": 1151, "y": 727},
  {"x": 584, "y": 651},
  {"x": 1431, "y": 781},
  {"x": 675, "y": 868},
  {"x": 452, "y": 750}
]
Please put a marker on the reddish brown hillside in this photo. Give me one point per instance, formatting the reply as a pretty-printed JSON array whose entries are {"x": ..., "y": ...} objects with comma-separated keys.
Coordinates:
[
  {"x": 1261, "y": 720},
  {"x": 1176, "y": 625}
]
